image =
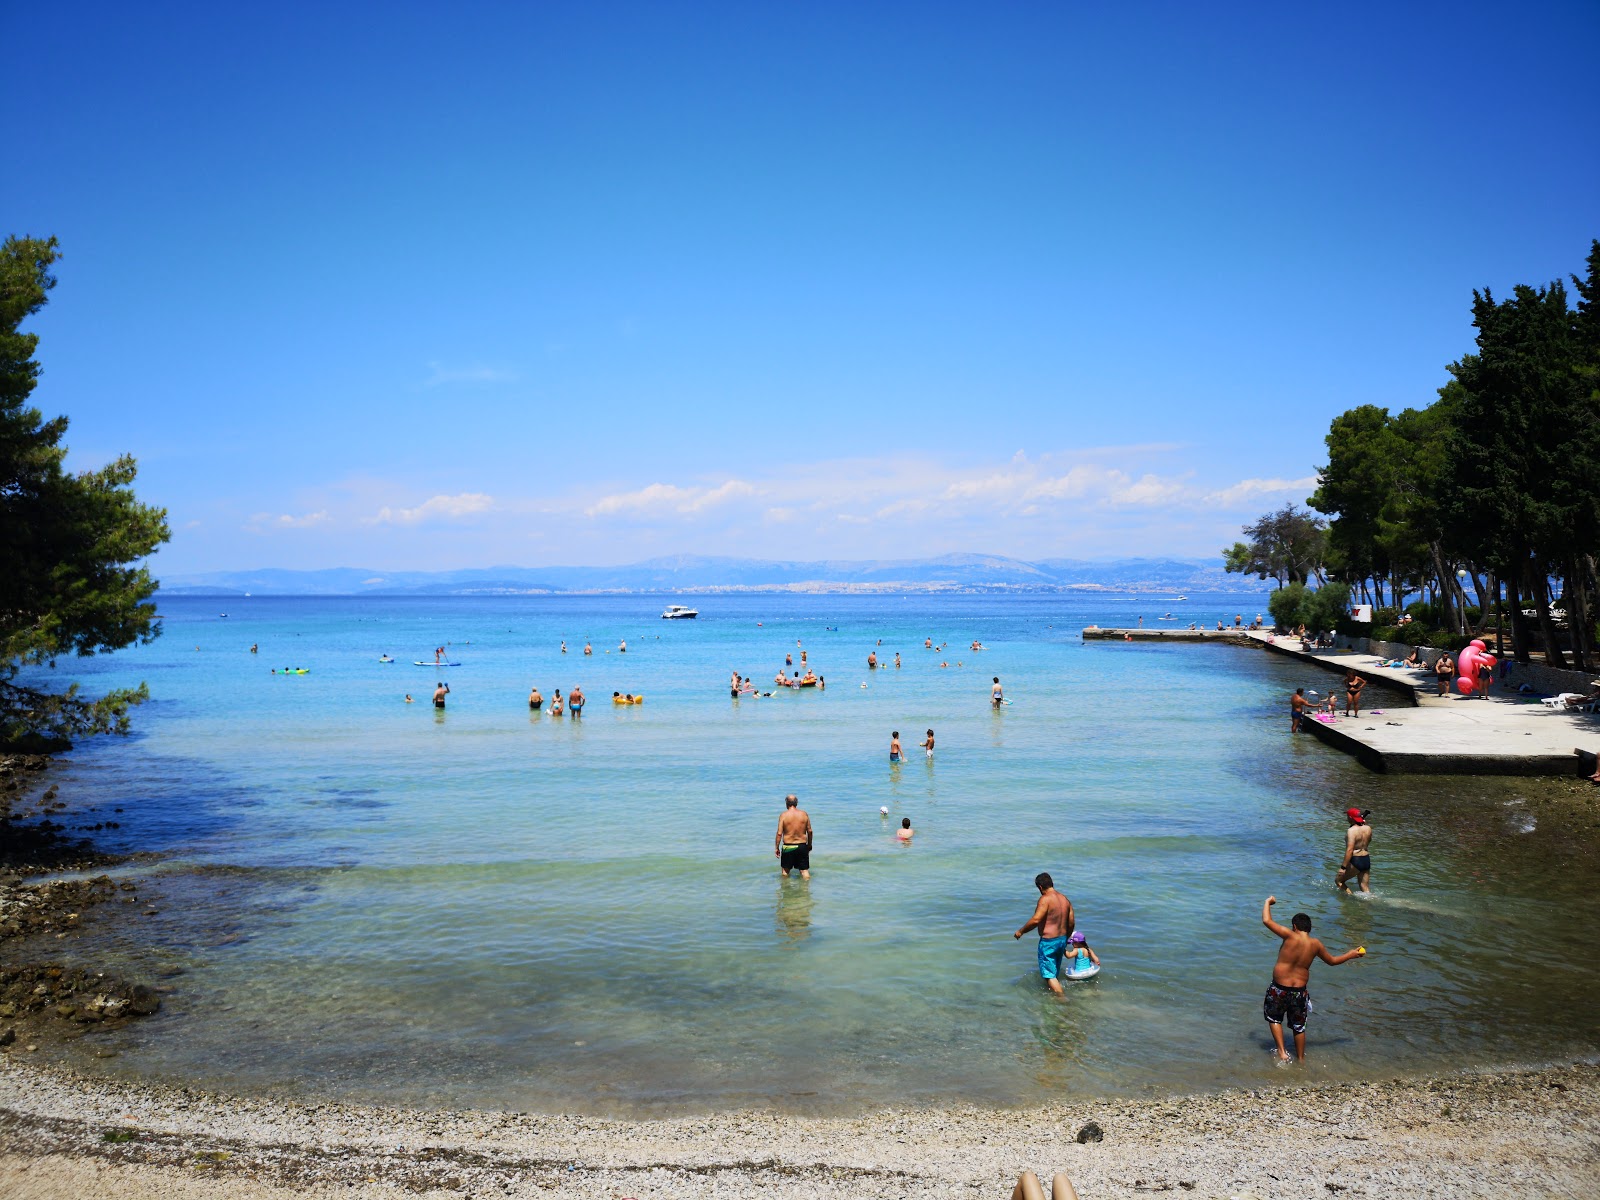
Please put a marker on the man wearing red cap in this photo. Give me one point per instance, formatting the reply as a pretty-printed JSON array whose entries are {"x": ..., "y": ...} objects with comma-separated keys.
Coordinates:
[{"x": 1357, "y": 851}]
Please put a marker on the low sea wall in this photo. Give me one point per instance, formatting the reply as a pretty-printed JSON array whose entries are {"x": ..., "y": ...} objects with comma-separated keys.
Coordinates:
[{"x": 1549, "y": 681}]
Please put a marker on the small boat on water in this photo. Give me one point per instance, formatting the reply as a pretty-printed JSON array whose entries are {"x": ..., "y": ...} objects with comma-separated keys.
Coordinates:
[{"x": 678, "y": 612}]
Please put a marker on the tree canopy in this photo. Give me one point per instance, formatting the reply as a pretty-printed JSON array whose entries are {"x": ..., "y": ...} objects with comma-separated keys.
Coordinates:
[
  {"x": 71, "y": 545},
  {"x": 1496, "y": 483}
]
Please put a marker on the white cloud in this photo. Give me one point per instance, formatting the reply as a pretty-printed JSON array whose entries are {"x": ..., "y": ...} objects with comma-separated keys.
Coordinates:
[
  {"x": 439, "y": 508},
  {"x": 1245, "y": 489},
  {"x": 665, "y": 499},
  {"x": 262, "y": 522}
]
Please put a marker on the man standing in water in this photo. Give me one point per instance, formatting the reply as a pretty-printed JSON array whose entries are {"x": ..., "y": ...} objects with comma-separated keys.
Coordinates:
[
  {"x": 1297, "y": 709},
  {"x": 439, "y": 693},
  {"x": 1054, "y": 919},
  {"x": 1357, "y": 851},
  {"x": 792, "y": 843},
  {"x": 1291, "y": 975}
]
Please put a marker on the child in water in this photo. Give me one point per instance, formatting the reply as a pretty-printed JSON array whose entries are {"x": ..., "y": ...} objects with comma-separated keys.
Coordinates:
[
  {"x": 905, "y": 831},
  {"x": 1079, "y": 956}
]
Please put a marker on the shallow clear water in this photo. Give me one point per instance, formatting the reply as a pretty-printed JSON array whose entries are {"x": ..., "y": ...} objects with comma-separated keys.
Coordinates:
[{"x": 488, "y": 907}]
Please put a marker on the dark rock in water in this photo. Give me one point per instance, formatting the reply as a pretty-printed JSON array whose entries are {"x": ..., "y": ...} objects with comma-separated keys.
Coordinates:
[
  {"x": 7, "y": 1036},
  {"x": 1090, "y": 1133},
  {"x": 143, "y": 1000}
]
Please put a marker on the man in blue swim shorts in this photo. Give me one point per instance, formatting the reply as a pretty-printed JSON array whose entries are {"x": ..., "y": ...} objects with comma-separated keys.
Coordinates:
[{"x": 1054, "y": 919}]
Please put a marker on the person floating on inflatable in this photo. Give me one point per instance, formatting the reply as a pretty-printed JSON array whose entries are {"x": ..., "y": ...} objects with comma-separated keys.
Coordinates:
[{"x": 1081, "y": 962}]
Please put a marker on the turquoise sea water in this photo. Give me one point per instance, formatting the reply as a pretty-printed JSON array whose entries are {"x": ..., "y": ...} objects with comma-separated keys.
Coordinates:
[{"x": 490, "y": 907}]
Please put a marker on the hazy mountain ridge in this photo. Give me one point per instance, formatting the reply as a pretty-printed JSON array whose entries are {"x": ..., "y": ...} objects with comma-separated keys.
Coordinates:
[{"x": 696, "y": 573}]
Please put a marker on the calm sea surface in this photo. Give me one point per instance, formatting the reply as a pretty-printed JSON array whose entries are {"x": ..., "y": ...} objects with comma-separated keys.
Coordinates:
[{"x": 495, "y": 908}]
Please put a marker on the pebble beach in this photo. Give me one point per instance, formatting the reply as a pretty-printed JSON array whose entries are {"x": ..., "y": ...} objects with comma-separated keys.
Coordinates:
[{"x": 1508, "y": 1133}]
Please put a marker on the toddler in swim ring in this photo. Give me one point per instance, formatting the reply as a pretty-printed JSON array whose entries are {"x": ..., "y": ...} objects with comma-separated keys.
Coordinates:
[{"x": 1079, "y": 956}]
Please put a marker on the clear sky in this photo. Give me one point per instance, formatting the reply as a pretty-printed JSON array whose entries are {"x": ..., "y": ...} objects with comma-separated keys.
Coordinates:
[{"x": 429, "y": 286}]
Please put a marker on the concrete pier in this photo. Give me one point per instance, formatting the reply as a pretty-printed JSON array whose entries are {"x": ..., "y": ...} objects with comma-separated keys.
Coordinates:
[
  {"x": 1169, "y": 633},
  {"x": 1423, "y": 733}
]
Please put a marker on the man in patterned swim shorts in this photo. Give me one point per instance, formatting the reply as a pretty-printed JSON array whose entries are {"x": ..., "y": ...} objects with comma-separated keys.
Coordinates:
[{"x": 1291, "y": 975}]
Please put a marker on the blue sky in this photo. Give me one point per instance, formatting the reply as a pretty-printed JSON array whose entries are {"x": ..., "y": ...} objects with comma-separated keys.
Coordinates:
[{"x": 420, "y": 286}]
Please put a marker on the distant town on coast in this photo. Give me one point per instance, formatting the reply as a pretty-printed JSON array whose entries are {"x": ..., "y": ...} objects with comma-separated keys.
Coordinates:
[{"x": 708, "y": 575}]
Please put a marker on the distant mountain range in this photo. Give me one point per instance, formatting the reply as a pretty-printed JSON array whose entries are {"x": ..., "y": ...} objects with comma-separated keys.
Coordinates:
[{"x": 689, "y": 573}]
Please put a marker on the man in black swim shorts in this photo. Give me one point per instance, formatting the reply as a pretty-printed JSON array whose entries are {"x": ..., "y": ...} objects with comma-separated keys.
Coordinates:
[
  {"x": 1291, "y": 1002},
  {"x": 792, "y": 843},
  {"x": 1291, "y": 976}
]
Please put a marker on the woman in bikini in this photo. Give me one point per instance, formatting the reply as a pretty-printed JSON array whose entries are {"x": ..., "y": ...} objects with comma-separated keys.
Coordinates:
[{"x": 1353, "y": 684}]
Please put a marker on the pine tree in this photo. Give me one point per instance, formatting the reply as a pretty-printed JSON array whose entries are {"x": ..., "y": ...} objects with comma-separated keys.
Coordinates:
[{"x": 70, "y": 544}]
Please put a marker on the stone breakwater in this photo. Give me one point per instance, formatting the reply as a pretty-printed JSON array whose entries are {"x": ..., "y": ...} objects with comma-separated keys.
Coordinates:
[{"x": 1503, "y": 1134}]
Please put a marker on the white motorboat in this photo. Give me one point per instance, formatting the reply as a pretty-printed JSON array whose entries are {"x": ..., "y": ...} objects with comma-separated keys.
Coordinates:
[{"x": 677, "y": 612}]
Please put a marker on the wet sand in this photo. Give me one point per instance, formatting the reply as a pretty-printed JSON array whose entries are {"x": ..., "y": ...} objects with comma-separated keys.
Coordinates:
[{"x": 1510, "y": 1133}]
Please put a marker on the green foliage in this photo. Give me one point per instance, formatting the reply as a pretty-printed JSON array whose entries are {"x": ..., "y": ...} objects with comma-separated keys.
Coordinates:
[
  {"x": 1285, "y": 605},
  {"x": 1495, "y": 483},
  {"x": 69, "y": 543},
  {"x": 1286, "y": 545},
  {"x": 1324, "y": 608}
]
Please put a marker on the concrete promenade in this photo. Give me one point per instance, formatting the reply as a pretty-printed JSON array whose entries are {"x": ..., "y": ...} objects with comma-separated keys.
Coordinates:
[{"x": 1419, "y": 732}]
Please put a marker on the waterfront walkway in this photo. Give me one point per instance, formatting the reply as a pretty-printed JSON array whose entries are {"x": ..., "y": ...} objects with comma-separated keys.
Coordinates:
[{"x": 1418, "y": 731}]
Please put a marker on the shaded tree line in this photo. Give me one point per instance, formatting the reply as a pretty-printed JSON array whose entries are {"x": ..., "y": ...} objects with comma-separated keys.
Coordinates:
[{"x": 1492, "y": 491}]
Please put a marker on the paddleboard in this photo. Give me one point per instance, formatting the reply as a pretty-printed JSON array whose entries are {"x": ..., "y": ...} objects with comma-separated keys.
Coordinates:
[{"x": 420, "y": 663}]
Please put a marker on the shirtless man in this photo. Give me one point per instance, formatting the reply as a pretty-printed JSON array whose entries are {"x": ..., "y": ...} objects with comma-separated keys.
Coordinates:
[
  {"x": 1054, "y": 919},
  {"x": 1291, "y": 974},
  {"x": 439, "y": 693},
  {"x": 791, "y": 845},
  {"x": 995, "y": 694},
  {"x": 1297, "y": 709},
  {"x": 894, "y": 747},
  {"x": 1357, "y": 852},
  {"x": 927, "y": 643},
  {"x": 575, "y": 702},
  {"x": 897, "y": 660},
  {"x": 535, "y": 700},
  {"x": 872, "y": 660},
  {"x": 587, "y": 648},
  {"x": 1444, "y": 669}
]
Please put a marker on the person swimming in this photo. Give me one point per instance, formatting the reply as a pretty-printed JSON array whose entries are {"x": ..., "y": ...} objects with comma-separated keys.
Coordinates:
[{"x": 905, "y": 831}]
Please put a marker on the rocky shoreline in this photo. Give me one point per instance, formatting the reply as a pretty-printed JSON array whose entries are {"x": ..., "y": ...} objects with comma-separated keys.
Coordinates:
[
  {"x": 1508, "y": 1133},
  {"x": 43, "y": 1000}
]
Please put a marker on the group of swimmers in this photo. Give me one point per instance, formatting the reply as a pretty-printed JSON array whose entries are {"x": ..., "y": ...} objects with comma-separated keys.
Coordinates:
[
  {"x": 622, "y": 647},
  {"x": 573, "y": 702}
]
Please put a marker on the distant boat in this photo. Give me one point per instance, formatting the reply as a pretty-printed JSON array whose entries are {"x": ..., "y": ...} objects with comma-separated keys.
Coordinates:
[{"x": 678, "y": 612}]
